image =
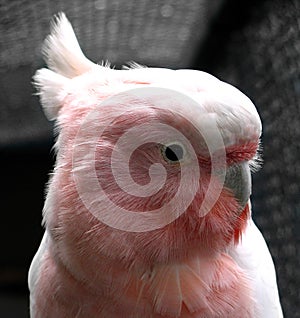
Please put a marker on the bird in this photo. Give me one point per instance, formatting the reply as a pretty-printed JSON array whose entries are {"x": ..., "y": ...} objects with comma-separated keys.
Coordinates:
[{"x": 148, "y": 211}]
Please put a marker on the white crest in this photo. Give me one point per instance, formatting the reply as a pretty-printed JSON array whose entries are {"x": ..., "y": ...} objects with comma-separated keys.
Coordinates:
[{"x": 65, "y": 60}]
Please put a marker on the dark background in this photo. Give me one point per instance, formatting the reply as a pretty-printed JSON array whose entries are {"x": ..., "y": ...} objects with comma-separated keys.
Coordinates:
[{"x": 254, "y": 45}]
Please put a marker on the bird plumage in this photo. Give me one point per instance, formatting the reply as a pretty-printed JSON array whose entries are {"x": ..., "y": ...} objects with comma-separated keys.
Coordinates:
[{"x": 206, "y": 260}]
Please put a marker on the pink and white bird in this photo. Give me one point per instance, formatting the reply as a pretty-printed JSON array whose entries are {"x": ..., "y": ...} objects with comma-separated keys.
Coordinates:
[{"x": 147, "y": 212}]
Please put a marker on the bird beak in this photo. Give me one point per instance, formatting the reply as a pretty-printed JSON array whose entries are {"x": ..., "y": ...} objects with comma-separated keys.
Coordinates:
[{"x": 238, "y": 181}]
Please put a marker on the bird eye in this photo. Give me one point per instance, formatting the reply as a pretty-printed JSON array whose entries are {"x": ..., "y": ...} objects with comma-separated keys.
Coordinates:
[{"x": 173, "y": 153}]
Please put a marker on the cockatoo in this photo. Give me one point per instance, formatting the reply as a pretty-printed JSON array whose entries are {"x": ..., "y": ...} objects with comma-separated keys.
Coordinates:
[{"x": 147, "y": 211}]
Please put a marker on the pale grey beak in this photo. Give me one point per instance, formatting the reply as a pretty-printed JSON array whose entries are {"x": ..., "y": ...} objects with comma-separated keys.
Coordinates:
[{"x": 238, "y": 180}]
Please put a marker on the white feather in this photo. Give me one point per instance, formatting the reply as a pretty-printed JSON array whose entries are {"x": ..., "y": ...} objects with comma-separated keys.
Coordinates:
[
  {"x": 253, "y": 255},
  {"x": 34, "y": 270},
  {"x": 50, "y": 86},
  {"x": 62, "y": 51},
  {"x": 65, "y": 60}
]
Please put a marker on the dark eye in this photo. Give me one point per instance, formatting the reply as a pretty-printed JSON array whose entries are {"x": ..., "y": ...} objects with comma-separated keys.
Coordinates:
[{"x": 173, "y": 152}]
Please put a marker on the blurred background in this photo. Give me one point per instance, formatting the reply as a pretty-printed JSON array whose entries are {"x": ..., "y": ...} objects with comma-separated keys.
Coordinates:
[{"x": 254, "y": 45}]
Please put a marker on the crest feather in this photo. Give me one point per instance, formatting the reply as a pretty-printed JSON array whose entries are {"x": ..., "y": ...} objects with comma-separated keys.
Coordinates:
[
  {"x": 65, "y": 60},
  {"x": 62, "y": 51},
  {"x": 50, "y": 89}
]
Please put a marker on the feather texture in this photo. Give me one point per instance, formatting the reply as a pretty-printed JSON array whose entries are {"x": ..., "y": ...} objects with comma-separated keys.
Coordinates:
[
  {"x": 62, "y": 51},
  {"x": 99, "y": 256}
]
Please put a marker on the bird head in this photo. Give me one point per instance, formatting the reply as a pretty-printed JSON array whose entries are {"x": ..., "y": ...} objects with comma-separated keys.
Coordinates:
[{"x": 153, "y": 165}]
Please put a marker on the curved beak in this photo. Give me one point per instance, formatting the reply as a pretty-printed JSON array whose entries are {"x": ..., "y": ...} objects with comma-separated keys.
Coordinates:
[{"x": 238, "y": 181}]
